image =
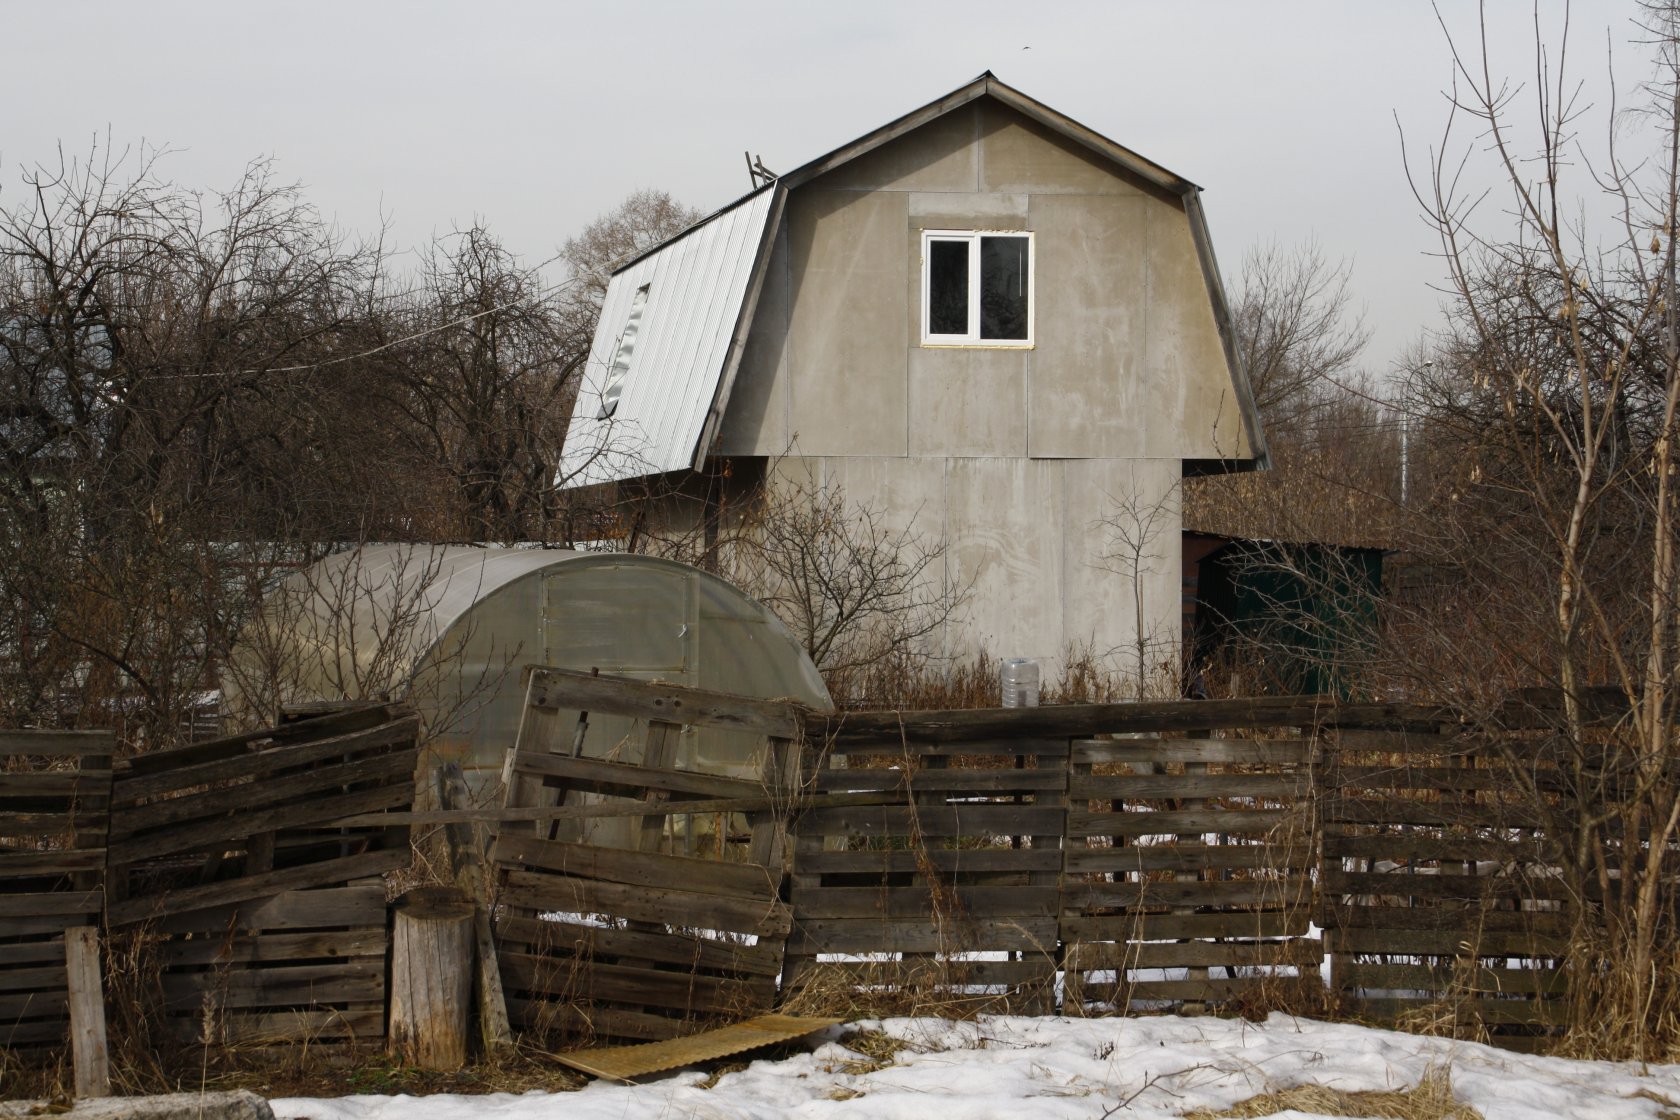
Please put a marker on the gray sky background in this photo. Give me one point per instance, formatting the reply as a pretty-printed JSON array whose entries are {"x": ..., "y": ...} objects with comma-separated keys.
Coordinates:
[{"x": 536, "y": 117}]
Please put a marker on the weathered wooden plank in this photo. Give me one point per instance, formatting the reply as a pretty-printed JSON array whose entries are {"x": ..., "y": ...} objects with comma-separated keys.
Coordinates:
[
  {"x": 679, "y": 991},
  {"x": 962, "y": 903},
  {"x": 917, "y": 935},
  {"x": 1493, "y": 1012},
  {"x": 274, "y": 947},
  {"x": 1373, "y": 915},
  {"x": 979, "y": 781},
  {"x": 1159, "y": 927},
  {"x": 58, "y": 744},
  {"x": 890, "y": 749},
  {"x": 1209, "y": 990},
  {"x": 624, "y": 779},
  {"x": 1077, "y": 721},
  {"x": 1418, "y": 846},
  {"x": 237, "y": 825},
  {"x": 175, "y": 759},
  {"x": 644, "y": 869},
  {"x": 1402, "y": 810},
  {"x": 25, "y": 953},
  {"x": 1094, "y": 955},
  {"x": 1450, "y": 977},
  {"x": 542, "y": 937},
  {"x": 89, "y": 787},
  {"x": 1270, "y": 752},
  {"x": 1189, "y": 857},
  {"x": 15, "y": 864},
  {"x": 1145, "y": 787},
  {"x": 1400, "y": 884},
  {"x": 973, "y": 819},
  {"x": 354, "y": 906},
  {"x": 941, "y": 972},
  {"x": 282, "y": 757},
  {"x": 1224, "y": 822},
  {"x": 1449, "y": 942},
  {"x": 565, "y": 688},
  {"x": 327, "y": 872},
  {"x": 50, "y": 1030},
  {"x": 765, "y": 918},
  {"x": 1347, "y": 778},
  {"x": 271, "y": 792},
  {"x": 15, "y": 979},
  {"x": 276, "y": 986},
  {"x": 46, "y": 924},
  {"x": 1291, "y": 891},
  {"x": 363, "y": 1024},
  {"x": 33, "y": 1005},
  {"x": 549, "y": 1016},
  {"x": 54, "y": 903},
  {"x": 950, "y": 861}
]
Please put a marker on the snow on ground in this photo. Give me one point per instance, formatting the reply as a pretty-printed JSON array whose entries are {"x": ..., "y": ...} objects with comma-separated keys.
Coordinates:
[{"x": 1017, "y": 1068}]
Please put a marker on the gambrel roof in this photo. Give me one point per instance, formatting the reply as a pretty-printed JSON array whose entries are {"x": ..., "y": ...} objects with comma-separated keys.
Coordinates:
[{"x": 702, "y": 291}]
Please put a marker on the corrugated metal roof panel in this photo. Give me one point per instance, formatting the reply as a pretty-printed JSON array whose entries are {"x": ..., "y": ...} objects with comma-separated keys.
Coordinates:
[{"x": 697, "y": 290}]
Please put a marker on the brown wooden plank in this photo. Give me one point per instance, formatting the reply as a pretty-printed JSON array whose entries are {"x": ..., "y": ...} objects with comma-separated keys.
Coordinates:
[
  {"x": 14, "y": 979},
  {"x": 1449, "y": 942},
  {"x": 89, "y": 786},
  {"x": 624, "y": 779},
  {"x": 645, "y": 869},
  {"x": 49, "y": 1031},
  {"x": 596, "y": 1021},
  {"x": 176, "y": 759},
  {"x": 980, "y": 819},
  {"x": 1094, "y": 955},
  {"x": 63, "y": 861},
  {"x": 33, "y": 1005},
  {"x": 1552, "y": 923},
  {"x": 327, "y": 872},
  {"x": 1416, "y": 846},
  {"x": 682, "y": 992},
  {"x": 987, "y": 781},
  {"x": 1189, "y": 857},
  {"x": 1451, "y": 978},
  {"x": 279, "y": 758},
  {"x": 1493, "y": 1012},
  {"x": 1076, "y": 721},
  {"x": 540, "y": 937},
  {"x": 318, "y": 908},
  {"x": 1145, "y": 787},
  {"x": 1160, "y": 927},
  {"x": 1270, "y": 752},
  {"x": 238, "y": 825},
  {"x": 1225, "y": 822},
  {"x": 928, "y": 972},
  {"x": 990, "y": 904},
  {"x": 18, "y": 905},
  {"x": 917, "y": 935},
  {"x": 57, "y": 744},
  {"x": 568, "y": 689},
  {"x": 366, "y": 1024},
  {"x": 951, "y": 861},
  {"x": 1401, "y": 810},
  {"x": 274, "y": 947},
  {"x": 1209, "y": 990},
  {"x": 1401, "y": 884},
  {"x": 278, "y": 985},
  {"x": 1291, "y": 891},
  {"x": 765, "y": 918},
  {"x": 28, "y": 953},
  {"x": 271, "y": 792}
]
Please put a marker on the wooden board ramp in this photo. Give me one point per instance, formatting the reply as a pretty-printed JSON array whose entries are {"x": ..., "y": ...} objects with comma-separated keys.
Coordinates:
[
  {"x": 617, "y": 935},
  {"x": 55, "y": 791},
  {"x": 236, "y": 881},
  {"x": 626, "y": 1063}
]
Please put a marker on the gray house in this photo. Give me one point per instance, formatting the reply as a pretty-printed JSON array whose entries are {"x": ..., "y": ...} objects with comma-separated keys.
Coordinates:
[{"x": 983, "y": 318}]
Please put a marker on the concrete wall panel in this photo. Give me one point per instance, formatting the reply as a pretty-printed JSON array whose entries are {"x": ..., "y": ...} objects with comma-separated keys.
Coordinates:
[
  {"x": 1004, "y": 522},
  {"x": 939, "y": 156},
  {"x": 1019, "y": 154},
  {"x": 968, "y": 402},
  {"x": 1091, "y": 320},
  {"x": 848, "y": 330},
  {"x": 756, "y": 419}
]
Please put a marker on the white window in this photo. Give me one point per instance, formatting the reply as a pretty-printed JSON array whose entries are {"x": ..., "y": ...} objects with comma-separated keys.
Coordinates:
[
  {"x": 621, "y": 356},
  {"x": 976, "y": 288}
]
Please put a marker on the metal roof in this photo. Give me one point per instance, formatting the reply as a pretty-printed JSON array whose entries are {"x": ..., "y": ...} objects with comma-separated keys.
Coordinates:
[
  {"x": 703, "y": 289},
  {"x": 701, "y": 292}
]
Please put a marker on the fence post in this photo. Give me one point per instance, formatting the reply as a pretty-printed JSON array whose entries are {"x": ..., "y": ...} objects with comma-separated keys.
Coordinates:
[{"x": 87, "y": 1013}]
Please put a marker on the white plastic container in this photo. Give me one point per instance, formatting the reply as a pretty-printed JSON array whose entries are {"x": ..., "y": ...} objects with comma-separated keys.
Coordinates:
[{"x": 1020, "y": 682}]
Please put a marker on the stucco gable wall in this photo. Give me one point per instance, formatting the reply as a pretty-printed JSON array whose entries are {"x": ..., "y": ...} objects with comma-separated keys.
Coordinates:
[{"x": 1127, "y": 358}]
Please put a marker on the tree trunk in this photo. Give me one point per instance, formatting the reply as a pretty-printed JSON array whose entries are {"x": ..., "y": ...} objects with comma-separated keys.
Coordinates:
[{"x": 431, "y": 977}]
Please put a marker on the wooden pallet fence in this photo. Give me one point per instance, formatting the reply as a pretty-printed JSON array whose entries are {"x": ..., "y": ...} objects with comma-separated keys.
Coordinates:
[
  {"x": 943, "y": 894},
  {"x": 234, "y": 879},
  {"x": 1188, "y": 871},
  {"x": 635, "y": 941},
  {"x": 1439, "y": 903},
  {"x": 55, "y": 789}
]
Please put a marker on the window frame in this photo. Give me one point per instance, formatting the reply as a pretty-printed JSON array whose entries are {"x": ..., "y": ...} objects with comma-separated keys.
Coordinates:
[{"x": 972, "y": 338}]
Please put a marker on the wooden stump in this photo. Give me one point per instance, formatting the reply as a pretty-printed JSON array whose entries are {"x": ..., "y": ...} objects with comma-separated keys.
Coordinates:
[{"x": 431, "y": 977}]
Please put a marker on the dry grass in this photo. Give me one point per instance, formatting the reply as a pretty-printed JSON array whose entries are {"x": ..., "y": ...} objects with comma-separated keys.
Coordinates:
[{"x": 1430, "y": 1099}]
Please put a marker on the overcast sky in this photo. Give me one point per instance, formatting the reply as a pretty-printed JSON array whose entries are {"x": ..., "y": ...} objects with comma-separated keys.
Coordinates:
[{"x": 536, "y": 117}]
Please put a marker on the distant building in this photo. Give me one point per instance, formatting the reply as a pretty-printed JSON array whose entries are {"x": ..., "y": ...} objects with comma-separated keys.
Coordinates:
[{"x": 982, "y": 317}]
